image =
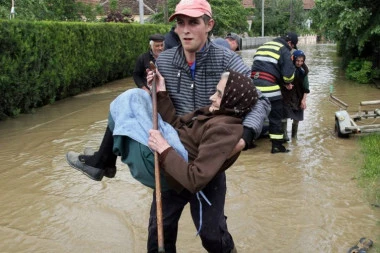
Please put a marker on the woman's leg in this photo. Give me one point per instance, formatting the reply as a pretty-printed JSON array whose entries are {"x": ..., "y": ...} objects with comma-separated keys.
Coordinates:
[
  {"x": 285, "y": 129},
  {"x": 104, "y": 158},
  {"x": 295, "y": 129},
  {"x": 99, "y": 164}
]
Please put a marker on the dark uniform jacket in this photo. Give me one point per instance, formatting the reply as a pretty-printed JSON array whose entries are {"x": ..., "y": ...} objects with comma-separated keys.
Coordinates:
[
  {"x": 209, "y": 139},
  {"x": 272, "y": 67}
]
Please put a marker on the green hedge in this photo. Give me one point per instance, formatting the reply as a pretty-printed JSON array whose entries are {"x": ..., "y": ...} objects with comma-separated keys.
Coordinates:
[{"x": 41, "y": 62}]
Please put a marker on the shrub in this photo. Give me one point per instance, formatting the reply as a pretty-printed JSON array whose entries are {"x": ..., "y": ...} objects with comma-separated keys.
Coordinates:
[{"x": 360, "y": 71}]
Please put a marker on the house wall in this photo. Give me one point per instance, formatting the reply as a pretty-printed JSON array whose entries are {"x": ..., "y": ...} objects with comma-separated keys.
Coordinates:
[{"x": 254, "y": 42}]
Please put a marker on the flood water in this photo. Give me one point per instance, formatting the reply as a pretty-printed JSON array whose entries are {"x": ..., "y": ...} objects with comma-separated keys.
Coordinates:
[{"x": 305, "y": 201}]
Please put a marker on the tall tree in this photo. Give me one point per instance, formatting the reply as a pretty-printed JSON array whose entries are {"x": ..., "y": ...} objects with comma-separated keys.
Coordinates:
[
  {"x": 59, "y": 10},
  {"x": 280, "y": 16},
  {"x": 353, "y": 24},
  {"x": 229, "y": 15}
]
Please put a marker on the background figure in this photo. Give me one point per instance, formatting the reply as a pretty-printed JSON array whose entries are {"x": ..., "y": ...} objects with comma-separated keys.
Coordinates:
[
  {"x": 272, "y": 68},
  {"x": 172, "y": 39},
  {"x": 295, "y": 99},
  {"x": 231, "y": 41},
  {"x": 156, "y": 46}
]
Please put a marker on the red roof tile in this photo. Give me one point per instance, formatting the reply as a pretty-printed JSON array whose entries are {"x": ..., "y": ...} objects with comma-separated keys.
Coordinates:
[{"x": 308, "y": 4}]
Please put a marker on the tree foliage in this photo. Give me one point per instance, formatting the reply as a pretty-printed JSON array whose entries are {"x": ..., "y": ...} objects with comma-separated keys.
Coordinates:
[
  {"x": 229, "y": 16},
  {"x": 353, "y": 24},
  {"x": 53, "y": 10},
  {"x": 114, "y": 15},
  {"x": 280, "y": 16}
]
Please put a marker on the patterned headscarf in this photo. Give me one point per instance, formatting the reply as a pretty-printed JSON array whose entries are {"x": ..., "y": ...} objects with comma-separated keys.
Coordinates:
[{"x": 240, "y": 95}]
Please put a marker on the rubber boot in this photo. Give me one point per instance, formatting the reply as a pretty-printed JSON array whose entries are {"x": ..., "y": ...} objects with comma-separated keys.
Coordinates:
[
  {"x": 104, "y": 158},
  {"x": 285, "y": 129},
  {"x": 234, "y": 250},
  {"x": 277, "y": 147},
  {"x": 294, "y": 129}
]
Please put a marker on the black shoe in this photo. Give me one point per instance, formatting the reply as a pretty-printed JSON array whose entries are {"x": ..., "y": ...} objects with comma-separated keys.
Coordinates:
[
  {"x": 109, "y": 172},
  {"x": 92, "y": 172},
  {"x": 354, "y": 249},
  {"x": 279, "y": 149},
  {"x": 233, "y": 250},
  {"x": 364, "y": 244}
]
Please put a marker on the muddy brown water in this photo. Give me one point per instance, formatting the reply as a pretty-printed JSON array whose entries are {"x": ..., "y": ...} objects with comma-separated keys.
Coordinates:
[{"x": 304, "y": 201}]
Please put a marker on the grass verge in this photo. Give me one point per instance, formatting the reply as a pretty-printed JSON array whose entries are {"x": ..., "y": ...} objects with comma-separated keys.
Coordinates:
[{"x": 369, "y": 173}]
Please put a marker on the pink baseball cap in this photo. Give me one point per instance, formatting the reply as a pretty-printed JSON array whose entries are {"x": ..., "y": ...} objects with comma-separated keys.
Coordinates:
[{"x": 192, "y": 8}]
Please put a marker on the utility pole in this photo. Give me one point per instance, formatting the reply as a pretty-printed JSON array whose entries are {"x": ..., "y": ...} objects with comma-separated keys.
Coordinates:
[
  {"x": 166, "y": 12},
  {"x": 141, "y": 11},
  {"x": 291, "y": 14},
  {"x": 262, "y": 18}
]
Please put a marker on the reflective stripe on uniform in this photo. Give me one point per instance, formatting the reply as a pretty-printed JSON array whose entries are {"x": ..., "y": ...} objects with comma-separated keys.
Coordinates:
[
  {"x": 268, "y": 88},
  {"x": 270, "y": 91},
  {"x": 276, "y": 136},
  {"x": 289, "y": 79},
  {"x": 272, "y": 94},
  {"x": 274, "y": 43},
  {"x": 267, "y": 59},
  {"x": 265, "y": 46},
  {"x": 268, "y": 53}
]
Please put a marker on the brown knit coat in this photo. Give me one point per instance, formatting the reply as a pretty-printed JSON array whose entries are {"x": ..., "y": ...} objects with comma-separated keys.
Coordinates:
[{"x": 209, "y": 139}]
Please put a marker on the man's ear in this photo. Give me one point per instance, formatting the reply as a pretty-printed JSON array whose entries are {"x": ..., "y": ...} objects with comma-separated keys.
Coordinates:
[{"x": 211, "y": 24}]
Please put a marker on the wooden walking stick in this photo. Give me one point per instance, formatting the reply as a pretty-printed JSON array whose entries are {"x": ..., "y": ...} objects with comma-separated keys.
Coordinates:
[{"x": 160, "y": 230}]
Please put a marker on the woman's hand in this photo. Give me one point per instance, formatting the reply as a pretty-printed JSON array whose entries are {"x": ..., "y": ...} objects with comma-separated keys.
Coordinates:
[
  {"x": 160, "y": 81},
  {"x": 157, "y": 142},
  {"x": 303, "y": 102},
  {"x": 238, "y": 148},
  {"x": 289, "y": 86}
]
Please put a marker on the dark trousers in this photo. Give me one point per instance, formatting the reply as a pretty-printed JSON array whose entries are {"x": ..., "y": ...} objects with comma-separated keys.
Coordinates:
[
  {"x": 214, "y": 234},
  {"x": 275, "y": 120}
]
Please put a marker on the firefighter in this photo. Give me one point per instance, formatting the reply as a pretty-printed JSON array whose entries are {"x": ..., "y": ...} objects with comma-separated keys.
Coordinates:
[{"x": 273, "y": 67}]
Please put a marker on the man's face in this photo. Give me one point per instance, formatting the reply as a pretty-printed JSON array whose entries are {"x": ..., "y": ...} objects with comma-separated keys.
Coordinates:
[
  {"x": 193, "y": 32},
  {"x": 291, "y": 44},
  {"x": 157, "y": 48},
  {"x": 233, "y": 44}
]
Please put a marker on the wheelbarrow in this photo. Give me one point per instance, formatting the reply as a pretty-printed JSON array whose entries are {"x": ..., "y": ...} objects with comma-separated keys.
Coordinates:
[{"x": 362, "y": 121}]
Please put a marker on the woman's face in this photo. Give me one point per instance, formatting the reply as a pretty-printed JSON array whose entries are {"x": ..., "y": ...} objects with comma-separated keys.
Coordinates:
[
  {"x": 216, "y": 98},
  {"x": 299, "y": 61}
]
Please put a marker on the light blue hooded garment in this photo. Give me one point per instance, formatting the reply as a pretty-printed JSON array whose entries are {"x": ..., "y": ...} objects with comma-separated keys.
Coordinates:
[{"x": 132, "y": 113}]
